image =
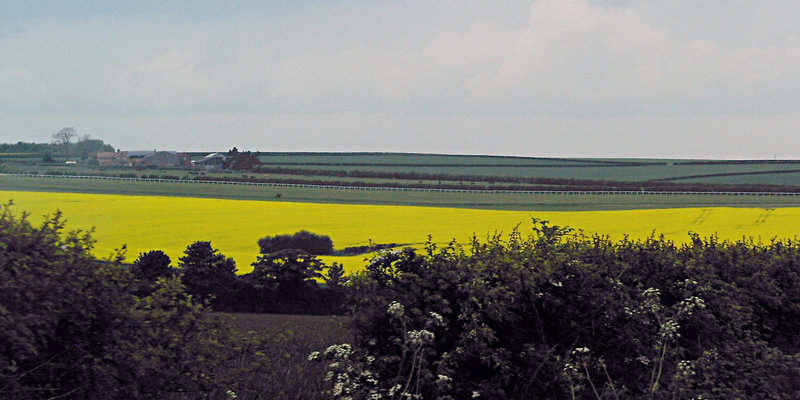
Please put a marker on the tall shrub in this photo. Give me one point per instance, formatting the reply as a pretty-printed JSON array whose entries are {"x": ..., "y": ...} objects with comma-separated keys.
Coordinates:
[
  {"x": 205, "y": 272},
  {"x": 71, "y": 328}
]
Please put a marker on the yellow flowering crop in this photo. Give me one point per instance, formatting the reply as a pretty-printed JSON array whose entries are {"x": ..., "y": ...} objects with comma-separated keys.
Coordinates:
[{"x": 169, "y": 224}]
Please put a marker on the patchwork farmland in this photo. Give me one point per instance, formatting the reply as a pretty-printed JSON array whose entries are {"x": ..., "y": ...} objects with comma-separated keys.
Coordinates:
[
  {"x": 718, "y": 239},
  {"x": 461, "y": 172},
  {"x": 362, "y": 198}
]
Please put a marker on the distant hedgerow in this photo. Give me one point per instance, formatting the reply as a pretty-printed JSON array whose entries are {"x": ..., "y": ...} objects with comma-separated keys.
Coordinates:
[{"x": 303, "y": 240}]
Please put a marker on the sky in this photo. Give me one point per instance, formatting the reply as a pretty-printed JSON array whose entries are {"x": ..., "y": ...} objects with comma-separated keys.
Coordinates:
[{"x": 715, "y": 79}]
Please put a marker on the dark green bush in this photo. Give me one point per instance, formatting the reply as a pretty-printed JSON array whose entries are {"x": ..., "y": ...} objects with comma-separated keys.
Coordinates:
[
  {"x": 303, "y": 240},
  {"x": 286, "y": 282},
  {"x": 152, "y": 265},
  {"x": 290, "y": 271},
  {"x": 71, "y": 327},
  {"x": 560, "y": 315},
  {"x": 205, "y": 272}
]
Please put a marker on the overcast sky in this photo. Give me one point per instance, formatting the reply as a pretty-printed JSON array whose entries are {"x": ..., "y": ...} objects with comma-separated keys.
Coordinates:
[{"x": 546, "y": 78}]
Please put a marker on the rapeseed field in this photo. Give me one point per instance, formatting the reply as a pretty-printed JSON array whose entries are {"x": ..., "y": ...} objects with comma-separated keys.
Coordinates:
[{"x": 169, "y": 224}]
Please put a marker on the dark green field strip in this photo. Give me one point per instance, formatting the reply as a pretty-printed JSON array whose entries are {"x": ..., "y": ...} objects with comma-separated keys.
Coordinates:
[
  {"x": 780, "y": 178},
  {"x": 729, "y": 174},
  {"x": 737, "y": 162},
  {"x": 488, "y": 200},
  {"x": 366, "y": 165},
  {"x": 396, "y": 159},
  {"x": 606, "y": 173},
  {"x": 387, "y": 180},
  {"x": 414, "y": 159},
  {"x": 401, "y": 161},
  {"x": 20, "y": 155}
]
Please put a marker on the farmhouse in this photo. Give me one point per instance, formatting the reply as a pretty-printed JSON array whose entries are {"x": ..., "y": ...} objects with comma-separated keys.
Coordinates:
[{"x": 115, "y": 159}]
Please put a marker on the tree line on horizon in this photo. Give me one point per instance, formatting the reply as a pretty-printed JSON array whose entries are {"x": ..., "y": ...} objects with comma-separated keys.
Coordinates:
[{"x": 62, "y": 144}]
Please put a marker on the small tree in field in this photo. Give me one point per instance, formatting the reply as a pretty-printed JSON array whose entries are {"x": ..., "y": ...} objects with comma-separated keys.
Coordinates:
[
  {"x": 334, "y": 276},
  {"x": 205, "y": 271}
]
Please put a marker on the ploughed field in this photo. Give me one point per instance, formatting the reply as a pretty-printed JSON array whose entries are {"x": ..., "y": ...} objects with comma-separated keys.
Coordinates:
[{"x": 166, "y": 223}]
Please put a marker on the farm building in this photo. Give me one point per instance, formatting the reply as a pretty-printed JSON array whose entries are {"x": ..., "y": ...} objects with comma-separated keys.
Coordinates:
[
  {"x": 115, "y": 159},
  {"x": 160, "y": 159},
  {"x": 211, "y": 161}
]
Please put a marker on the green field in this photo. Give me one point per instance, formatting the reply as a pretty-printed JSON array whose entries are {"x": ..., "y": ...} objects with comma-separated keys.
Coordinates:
[
  {"x": 595, "y": 169},
  {"x": 463, "y": 169},
  {"x": 413, "y": 159},
  {"x": 587, "y": 171},
  {"x": 496, "y": 201}
]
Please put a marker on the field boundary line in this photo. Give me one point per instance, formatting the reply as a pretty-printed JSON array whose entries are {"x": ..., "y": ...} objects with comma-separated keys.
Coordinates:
[{"x": 407, "y": 189}]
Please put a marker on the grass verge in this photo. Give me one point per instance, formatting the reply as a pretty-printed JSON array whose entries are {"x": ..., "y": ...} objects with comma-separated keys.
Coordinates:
[{"x": 288, "y": 340}]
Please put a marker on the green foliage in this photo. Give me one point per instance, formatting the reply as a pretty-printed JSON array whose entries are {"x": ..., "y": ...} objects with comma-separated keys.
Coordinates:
[
  {"x": 86, "y": 146},
  {"x": 71, "y": 327},
  {"x": 291, "y": 270},
  {"x": 205, "y": 271},
  {"x": 241, "y": 161},
  {"x": 334, "y": 276},
  {"x": 309, "y": 242},
  {"x": 27, "y": 147},
  {"x": 152, "y": 265},
  {"x": 561, "y": 315},
  {"x": 286, "y": 281}
]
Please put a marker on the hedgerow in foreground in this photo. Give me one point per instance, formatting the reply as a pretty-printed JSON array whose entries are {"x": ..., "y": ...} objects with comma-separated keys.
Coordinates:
[
  {"x": 72, "y": 328},
  {"x": 559, "y": 315}
]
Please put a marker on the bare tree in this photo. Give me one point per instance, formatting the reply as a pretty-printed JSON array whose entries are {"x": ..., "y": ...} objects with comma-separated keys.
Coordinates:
[{"x": 64, "y": 136}]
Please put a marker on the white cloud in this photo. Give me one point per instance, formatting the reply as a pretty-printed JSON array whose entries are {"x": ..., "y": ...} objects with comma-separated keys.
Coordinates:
[
  {"x": 406, "y": 62},
  {"x": 573, "y": 54},
  {"x": 570, "y": 55}
]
